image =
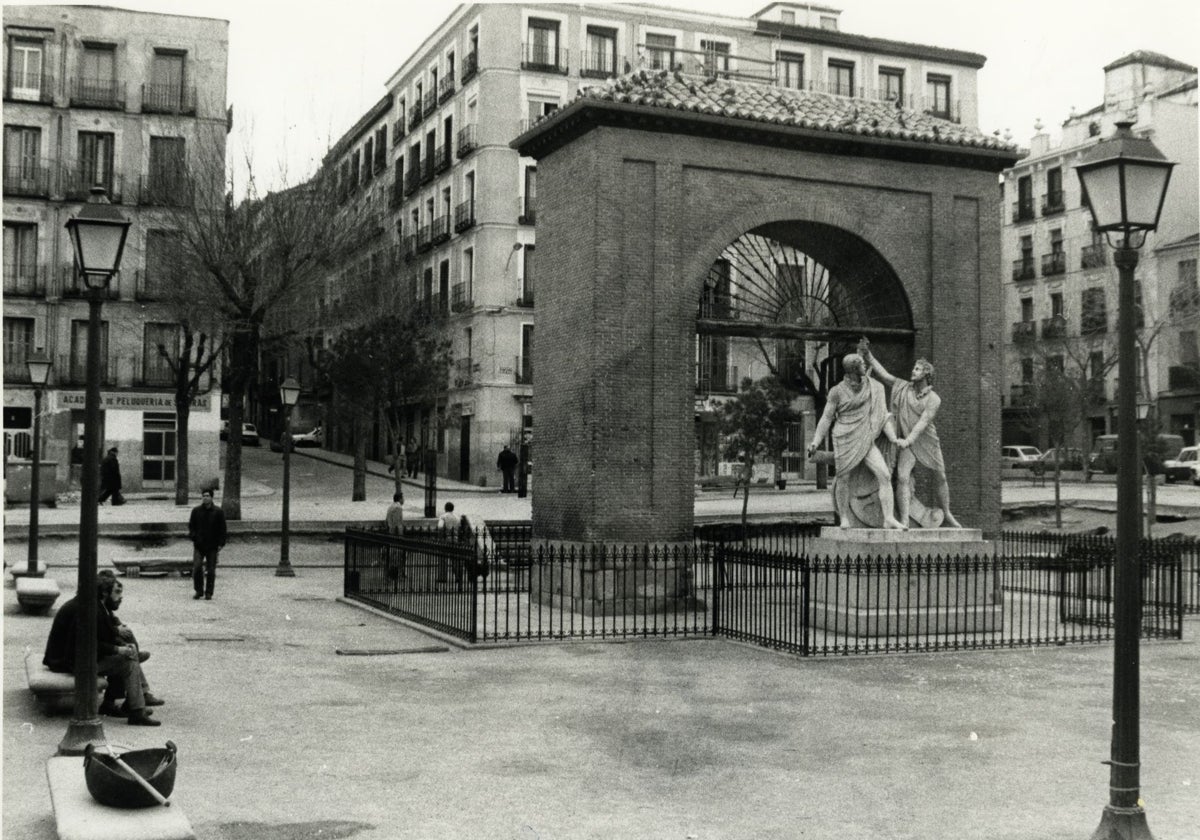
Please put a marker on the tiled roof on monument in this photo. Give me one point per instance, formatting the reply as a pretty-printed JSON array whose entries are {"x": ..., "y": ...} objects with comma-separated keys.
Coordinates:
[{"x": 766, "y": 103}]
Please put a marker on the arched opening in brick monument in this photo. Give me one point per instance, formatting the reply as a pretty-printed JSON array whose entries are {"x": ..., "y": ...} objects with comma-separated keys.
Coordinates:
[{"x": 788, "y": 299}]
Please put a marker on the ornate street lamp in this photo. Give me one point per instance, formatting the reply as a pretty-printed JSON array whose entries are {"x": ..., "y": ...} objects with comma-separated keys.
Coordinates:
[
  {"x": 289, "y": 393},
  {"x": 39, "y": 365},
  {"x": 1124, "y": 181},
  {"x": 98, "y": 234}
]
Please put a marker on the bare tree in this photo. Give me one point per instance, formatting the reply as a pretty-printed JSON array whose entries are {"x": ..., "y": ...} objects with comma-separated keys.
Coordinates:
[
  {"x": 250, "y": 256},
  {"x": 756, "y": 427}
]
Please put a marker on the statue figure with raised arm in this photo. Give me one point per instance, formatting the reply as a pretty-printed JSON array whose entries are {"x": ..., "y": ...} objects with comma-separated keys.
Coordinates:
[
  {"x": 856, "y": 409},
  {"x": 914, "y": 406}
]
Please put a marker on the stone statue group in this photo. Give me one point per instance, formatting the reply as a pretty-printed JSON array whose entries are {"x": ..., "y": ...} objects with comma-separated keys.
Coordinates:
[{"x": 866, "y": 445}]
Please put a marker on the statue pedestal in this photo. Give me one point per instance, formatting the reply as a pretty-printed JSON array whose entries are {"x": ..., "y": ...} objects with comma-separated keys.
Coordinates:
[{"x": 870, "y": 582}]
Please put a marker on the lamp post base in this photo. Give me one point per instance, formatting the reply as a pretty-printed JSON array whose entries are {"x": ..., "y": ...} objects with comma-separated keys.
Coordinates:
[
  {"x": 285, "y": 570},
  {"x": 1123, "y": 824},
  {"x": 79, "y": 734}
]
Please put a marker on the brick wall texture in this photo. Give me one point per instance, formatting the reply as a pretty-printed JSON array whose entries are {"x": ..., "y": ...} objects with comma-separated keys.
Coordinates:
[{"x": 628, "y": 224}]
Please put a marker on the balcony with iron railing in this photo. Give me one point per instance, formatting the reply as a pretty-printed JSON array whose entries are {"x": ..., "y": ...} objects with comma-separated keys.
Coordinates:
[
  {"x": 446, "y": 87},
  {"x": 1093, "y": 323},
  {"x": 168, "y": 98},
  {"x": 103, "y": 94},
  {"x": 1023, "y": 210},
  {"x": 1020, "y": 395},
  {"x": 24, "y": 279},
  {"x": 1024, "y": 332},
  {"x": 1093, "y": 256},
  {"x": 524, "y": 370},
  {"x": 464, "y": 216},
  {"x": 1053, "y": 202},
  {"x": 460, "y": 297},
  {"x": 71, "y": 285},
  {"x": 464, "y": 372},
  {"x": 72, "y": 370},
  {"x": 1054, "y": 263},
  {"x": 441, "y": 158},
  {"x": 527, "y": 210},
  {"x": 412, "y": 178},
  {"x": 543, "y": 59},
  {"x": 398, "y": 131},
  {"x": 439, "y": 230},
  {"x": 1024, "y": 269},
  {"x": 424, "y": 242},
  {"x": 414, "y": 118},
  {"x": 27, "y": 179},
  {"x": 150, "y": 284},
  {"x": 430, "y": 103},
  {"x": 29, "y": 87},
  {"x": 78, "y": 180},
  {"x": 1054, "y": 327},
  {"x": 717, "y": 380},
  {"x": 600, "y": 65},
  {"x": 16, "y": 370},
  {"x": 466, "y": 140},
  {"x": 470, "y": 66},
  {"x": 165, "y": 190},
  {"x": 525, "y": 298},
  {"x": 409, "y": 247},
  {"x": 427, "y": 170},
  {"x": 396, "y": 193},
  {"x": 438, "y": 306},
  {"x": 719, "y": 305},
  {"x": 153, "y": 371}
]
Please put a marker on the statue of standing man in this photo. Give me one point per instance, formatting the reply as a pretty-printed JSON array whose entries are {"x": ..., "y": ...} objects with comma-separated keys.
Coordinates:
[
  {"x": 856, "y": 408},
  {"x": 914, "y": 406}
]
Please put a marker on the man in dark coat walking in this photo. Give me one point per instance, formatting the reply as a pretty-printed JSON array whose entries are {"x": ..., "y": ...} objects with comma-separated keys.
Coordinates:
[
  {"x": 206, "y": 529},
  {"x": 507, "y": 463},
  {"x": 110, "y": 479}
]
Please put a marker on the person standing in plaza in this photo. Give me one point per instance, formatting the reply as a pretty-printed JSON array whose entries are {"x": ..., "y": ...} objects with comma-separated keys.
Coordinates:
[
  {"x": 394, "y": 518},
  {"x": 507, "y": 463},
  {"x": 206, "y": 529},
  {"x": 412, "y": 457},
  {"x": 110, "y": 479}
]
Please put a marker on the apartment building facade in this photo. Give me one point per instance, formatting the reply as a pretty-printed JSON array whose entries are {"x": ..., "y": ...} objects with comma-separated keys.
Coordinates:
[
  {"x": 1060, "y": 285},
  {"x": 460, "y": 204},
  {"x": 123, "y": 100}
]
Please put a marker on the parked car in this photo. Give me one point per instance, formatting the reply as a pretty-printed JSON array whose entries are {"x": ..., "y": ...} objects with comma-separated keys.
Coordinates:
[
  {"x": 249, "y": 435},
  {"x": 1104, "y": 452},
  {"x": 1018, "y": 457},
  {"x": 1183, "y": 467},
  {"x": 313, "y": 437},
  {"x": 1072, "y": 459}
]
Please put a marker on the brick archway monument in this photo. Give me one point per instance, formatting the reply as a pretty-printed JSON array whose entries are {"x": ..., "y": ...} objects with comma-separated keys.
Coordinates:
[{"x": 647, "y": 180}]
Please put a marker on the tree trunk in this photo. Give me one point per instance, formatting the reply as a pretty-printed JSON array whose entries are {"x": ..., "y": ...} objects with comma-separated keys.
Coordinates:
[
  {"x": 1151, "y": 503},
  {"x": 183, "y": 415},
  {"x": 242, "y": 363},
  {"x": 746, "y": 495},
  {"x": 359, "y": 493}
]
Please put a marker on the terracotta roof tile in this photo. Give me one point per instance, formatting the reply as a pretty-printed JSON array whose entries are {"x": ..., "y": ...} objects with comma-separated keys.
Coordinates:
[{"x": 785, "y": 106}]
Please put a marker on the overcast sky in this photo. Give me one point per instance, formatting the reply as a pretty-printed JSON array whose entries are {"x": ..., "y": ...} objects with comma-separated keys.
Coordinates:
[{"x": 301, "y": 72}]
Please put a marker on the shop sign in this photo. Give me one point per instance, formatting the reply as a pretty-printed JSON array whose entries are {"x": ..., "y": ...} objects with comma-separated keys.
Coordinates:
[{"x": 117, "y": 401}]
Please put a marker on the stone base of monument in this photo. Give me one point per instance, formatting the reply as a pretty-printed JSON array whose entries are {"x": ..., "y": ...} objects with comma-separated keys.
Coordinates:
[
  {"x": 870, "y": 582},
  {"x": 602, "y": 580}
]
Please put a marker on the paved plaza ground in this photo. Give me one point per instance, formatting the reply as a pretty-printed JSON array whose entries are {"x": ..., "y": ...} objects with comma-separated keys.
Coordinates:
[{"x": 283, "y": 732}]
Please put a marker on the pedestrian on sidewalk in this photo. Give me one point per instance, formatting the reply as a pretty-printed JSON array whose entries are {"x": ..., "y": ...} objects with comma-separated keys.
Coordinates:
[
  {"x": 412, "y": 457},
  {"x": 115, "y": 659},
  {"x": 110, "y": 479},
  {"x": 206, "y": 530},
  {"x": 507, "y": 462},
  {"x": 394, "y": 519}
]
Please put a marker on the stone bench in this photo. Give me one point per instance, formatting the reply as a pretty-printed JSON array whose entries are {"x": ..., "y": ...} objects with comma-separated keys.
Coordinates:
[
  {"x": 36, "y": 595},
  {"x": 153, "y": 566},
  {"x": 78, "y": 816},
  {"x": 54, "y": 691}
]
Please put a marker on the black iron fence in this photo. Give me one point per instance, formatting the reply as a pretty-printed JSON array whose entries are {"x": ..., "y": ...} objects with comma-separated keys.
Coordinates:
[{"x": 758, "y": 583}]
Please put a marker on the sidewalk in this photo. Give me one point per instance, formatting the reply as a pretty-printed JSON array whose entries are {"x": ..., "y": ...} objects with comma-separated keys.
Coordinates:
[{"x": 284, "y": 734}]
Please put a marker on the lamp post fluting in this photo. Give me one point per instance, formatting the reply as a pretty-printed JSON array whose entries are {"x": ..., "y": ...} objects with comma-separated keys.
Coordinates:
[
  {"x": 98, "y": 234},
  {"x": 1124, "y": 180},
  {"x": 289, "y": 393},
  {"x": 39, "y": 373}
]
